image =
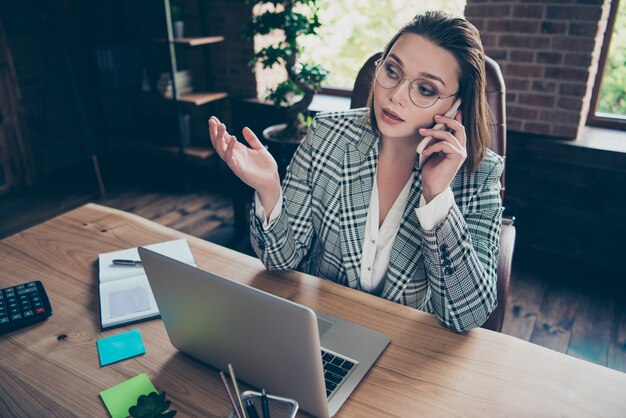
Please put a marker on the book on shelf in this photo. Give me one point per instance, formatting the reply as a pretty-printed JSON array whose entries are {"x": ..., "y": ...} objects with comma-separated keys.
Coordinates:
[
  {"x": 125, "y": 294},
  {"x": 183, "y": 83}
]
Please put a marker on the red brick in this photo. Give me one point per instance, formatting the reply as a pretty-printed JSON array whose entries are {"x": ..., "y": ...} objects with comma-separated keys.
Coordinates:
[
  {"x": 532, "y": 11},
  {"x": 573, "y": 12},
  {"x": 578, "y": 60},
  {"x": 487, "y": 10},
  {"x": 569, "y": 74},
  {"x": 510, "y": 97},
  {"x": 573, "y": 89},
  {"x": 537, "y": 128},
  {"x": 589, "y": 29},
  {"x": 550, "y": 27},
  {"x": 522, "y": 55},
  {"x": 543, "y": 86},
  {"x": 522, "y": 112},
  {"x": 570, "y": 43},
  {"x": 497, "y": 54},
  {"x": 480, "y": 24},
  {"x": 559, "y": 116},
  {"x": 518, "y": 84},
  {"x": 524, "y": 41},
  {"x": 488, "y": 40},
  {"x": 522, "y": 70},
  {"x": 538, "y": 100},
  {"x": 570, "y": 103},
  {"x": 514, "y": 26},
  {"x": 546, "y": 57}
]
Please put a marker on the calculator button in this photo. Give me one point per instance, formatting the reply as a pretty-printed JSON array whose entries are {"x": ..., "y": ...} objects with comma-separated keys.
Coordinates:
[
  {"x": 37, "y": 304},
  {"x": 36, "y": 299},
  {"x": 14, "y": 311},
  {"x": 31, "y": 284},
  {"x": 4, "y": 320},
  {"x": 40, "y": 310},
  {"x": 28, "y": 314},
  {"x": 15, "y": 317},
  {"x": 19, "y": 287}
]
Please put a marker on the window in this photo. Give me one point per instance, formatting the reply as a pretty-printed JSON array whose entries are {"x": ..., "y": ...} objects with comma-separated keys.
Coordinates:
[
  {"x": 351, "y": 31},
  {"x": 608, "y": 102}
]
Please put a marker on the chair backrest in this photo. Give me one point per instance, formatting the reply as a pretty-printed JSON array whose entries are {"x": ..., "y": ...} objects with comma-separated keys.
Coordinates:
[{"x": 495, "y": 93}]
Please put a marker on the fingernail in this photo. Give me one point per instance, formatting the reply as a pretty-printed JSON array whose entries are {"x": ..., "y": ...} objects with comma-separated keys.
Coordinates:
[{"x": 422, "y": 129}]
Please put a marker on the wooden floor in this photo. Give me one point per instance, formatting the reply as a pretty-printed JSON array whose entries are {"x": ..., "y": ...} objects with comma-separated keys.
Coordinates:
[{"x": 553, "y": 303}]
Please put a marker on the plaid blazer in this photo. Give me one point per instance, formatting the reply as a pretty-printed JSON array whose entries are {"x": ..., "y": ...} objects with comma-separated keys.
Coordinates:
[{"x": 449, "y": 271}]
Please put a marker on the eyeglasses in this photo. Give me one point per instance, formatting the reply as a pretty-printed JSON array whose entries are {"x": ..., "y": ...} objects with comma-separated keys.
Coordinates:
[{"x": 422, "y": 92}]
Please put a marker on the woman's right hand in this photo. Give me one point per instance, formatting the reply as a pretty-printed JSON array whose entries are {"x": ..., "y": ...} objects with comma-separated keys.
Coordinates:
[{"x": 255, "y": 166}]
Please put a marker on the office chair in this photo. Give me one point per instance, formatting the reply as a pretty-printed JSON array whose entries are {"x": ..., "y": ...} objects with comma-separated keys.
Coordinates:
[{"x": 495, "y": 92}]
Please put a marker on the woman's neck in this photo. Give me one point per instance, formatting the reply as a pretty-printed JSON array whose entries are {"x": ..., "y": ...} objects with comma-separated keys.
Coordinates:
[{"x": 399, "y": 149}]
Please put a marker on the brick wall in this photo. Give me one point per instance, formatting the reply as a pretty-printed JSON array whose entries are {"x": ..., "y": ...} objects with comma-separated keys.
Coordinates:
[{"x": 548, "y": 53}]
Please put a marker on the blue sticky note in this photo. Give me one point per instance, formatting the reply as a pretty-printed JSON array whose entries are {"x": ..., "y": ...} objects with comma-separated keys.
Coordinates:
[{"x": 119, "y": 347}]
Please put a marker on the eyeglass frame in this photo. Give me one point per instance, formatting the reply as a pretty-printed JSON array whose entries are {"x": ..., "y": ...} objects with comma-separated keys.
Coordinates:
[{"x": 378, "y": 62}]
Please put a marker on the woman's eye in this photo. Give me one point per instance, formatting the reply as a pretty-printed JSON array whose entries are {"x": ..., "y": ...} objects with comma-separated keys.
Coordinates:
[
  {"x": 425, "y": 90},
  {"x": 391, "y": 72}
]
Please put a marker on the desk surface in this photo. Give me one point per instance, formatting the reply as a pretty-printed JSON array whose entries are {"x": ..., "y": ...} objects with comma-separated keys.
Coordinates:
[{"x": 426, "y": 370}]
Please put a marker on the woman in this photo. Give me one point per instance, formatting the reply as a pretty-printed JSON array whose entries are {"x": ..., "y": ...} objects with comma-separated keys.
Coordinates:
[{"x": 357, "y": 208}]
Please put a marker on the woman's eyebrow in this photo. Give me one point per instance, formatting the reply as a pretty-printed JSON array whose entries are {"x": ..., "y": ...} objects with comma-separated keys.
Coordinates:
[{"x": 422, "y": 74}]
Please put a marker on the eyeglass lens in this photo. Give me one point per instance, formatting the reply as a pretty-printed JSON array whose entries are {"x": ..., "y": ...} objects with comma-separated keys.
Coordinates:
[{"x": 422, "y": 92}]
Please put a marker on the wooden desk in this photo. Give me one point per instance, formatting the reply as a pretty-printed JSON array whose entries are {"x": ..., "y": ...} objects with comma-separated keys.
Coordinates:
[{"x": 426, "y": 370}]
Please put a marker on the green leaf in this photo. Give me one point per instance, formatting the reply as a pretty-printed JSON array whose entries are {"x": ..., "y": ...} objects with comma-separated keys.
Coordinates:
[{"x": 154, "y": 405}]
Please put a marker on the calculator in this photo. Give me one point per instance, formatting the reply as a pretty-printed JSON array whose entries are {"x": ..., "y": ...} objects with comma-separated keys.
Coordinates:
[{"x": 23, "y": 305}]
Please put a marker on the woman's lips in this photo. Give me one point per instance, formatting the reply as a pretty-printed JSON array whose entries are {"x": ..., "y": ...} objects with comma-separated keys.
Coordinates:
[{"x": 391, "y": 117}]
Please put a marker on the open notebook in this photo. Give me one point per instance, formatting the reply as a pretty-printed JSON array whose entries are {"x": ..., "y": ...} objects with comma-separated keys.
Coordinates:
[{"x": 125, "y": 294}]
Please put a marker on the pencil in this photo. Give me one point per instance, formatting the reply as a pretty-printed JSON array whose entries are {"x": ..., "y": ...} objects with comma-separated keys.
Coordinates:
[
  {"x": 232, "y": 376},
  {"x": 230, "y": 395}
]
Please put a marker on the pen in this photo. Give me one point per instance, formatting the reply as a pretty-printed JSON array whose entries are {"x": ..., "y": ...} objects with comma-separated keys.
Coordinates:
[
  {"x": 230, "y": 395},
  {"x": 232, "y": 376},
  {"x": 251, "y": 409},
  {"x": 120, "y": 262},
  {"x": 266, "y": 407}
]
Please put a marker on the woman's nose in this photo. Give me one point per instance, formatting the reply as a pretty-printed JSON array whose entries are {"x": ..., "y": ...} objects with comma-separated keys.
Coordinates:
[{"x": 399, "y": 94}]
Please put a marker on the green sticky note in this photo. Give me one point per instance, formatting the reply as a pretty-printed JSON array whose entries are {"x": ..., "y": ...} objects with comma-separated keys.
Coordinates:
[
  {"x": 119, "y": 398},
  {"x": 119, "y": 347}
]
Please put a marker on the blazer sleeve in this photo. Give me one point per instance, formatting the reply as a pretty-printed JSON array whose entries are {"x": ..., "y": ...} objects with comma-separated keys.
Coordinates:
[
  {"x": 286, "y": 242},
  {"x": 461, "y": 257}
]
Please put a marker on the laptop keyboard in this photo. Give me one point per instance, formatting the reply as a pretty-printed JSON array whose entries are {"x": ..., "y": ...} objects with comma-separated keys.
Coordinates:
[{"x": 335, "y": 370}]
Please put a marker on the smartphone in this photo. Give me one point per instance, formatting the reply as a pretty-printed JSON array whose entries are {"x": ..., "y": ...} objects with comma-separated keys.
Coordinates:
[{"x": 451, "y": 113}]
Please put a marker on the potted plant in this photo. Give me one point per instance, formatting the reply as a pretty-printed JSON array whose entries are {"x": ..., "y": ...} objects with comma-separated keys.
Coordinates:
[{"x": 295, "y": 18}]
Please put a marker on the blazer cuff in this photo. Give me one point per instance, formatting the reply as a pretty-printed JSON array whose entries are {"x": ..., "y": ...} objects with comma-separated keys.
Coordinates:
[{"x": 435, "y": 212}]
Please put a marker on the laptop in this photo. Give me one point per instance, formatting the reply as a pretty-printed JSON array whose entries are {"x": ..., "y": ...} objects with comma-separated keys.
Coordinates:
[{"x": 273, "y": 343}]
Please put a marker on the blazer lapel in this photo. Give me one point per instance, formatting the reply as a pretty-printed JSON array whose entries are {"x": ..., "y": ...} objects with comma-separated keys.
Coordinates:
[
  {"x": 407, "y": 246},
  {"x": 356, "y": 188}
]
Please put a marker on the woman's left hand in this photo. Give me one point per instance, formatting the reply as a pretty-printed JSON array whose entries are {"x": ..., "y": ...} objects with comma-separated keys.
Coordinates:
[{"x": 443, "y": 158}]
